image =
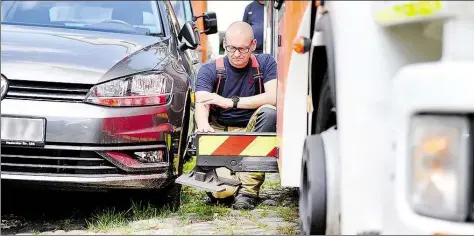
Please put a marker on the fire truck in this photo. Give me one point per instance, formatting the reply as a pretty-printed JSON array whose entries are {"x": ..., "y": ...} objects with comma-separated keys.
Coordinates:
[
  {"x": 374, "y": 117},
  {"x": 204, "y": 49}
]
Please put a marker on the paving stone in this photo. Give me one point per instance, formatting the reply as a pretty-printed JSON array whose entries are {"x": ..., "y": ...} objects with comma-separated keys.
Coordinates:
[
  {"x": 201, "y": 226},
  {"x": 76, "y": 232},
  {"x": 145, "y": 223}
]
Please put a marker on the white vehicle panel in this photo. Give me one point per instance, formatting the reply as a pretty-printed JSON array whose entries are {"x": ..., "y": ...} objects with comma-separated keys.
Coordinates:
[{"x": 366, "y": 59}]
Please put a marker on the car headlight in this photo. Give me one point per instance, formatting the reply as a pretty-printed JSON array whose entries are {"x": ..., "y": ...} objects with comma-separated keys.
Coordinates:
[
  {"x": 440, "y": 165},
  {"x": 146, "y": 89},
  {"x": 4, "y": 88}
]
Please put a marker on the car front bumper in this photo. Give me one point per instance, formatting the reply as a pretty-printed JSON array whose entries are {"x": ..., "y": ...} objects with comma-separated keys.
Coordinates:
[
  {"x": 93, "y": 146},
  {"x": 118, "y": 181}
]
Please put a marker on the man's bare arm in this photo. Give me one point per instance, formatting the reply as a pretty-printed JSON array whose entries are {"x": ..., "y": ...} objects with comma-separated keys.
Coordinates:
[
  {"x": 201, "y": 113},
  {"x": 252, "y": 102}
]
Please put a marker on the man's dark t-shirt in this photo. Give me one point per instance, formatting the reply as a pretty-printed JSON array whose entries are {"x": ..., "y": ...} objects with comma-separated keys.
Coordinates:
[
  {"x": 253, "y": 15},
  {"x": 238, "y": 79}
]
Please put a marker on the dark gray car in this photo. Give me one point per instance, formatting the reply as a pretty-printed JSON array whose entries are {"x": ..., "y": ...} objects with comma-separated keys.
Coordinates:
[{"x": 96, "y": 93}]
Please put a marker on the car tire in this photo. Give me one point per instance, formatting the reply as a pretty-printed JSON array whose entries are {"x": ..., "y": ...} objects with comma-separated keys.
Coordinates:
[
  {"x": 168, "y": 197},
  {"x": 173, "y": 196},
  {"x": 185, "y": 133}
]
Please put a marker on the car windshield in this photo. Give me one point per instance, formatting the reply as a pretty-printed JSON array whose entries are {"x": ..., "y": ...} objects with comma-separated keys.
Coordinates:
[{"x": 134, "y": 17}]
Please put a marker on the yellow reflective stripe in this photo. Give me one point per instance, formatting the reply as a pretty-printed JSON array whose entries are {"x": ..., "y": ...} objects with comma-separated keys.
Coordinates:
[
  {"x": 403, "y": 11},
  {"x": 208, "y": 144},
  {"x": 192, "y": 97},
  {"x": 261, "y": 146}
]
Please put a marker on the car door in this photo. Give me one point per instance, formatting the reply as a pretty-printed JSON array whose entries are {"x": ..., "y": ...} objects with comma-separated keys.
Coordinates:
[
  {"x": 187, "y": 55},
  {"x": 184, "y": 12}
]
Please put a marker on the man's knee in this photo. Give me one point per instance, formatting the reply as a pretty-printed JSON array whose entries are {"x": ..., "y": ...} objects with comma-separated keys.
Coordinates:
[
  {"x": 268, "y": 112},
  {"x": 263, "y": 120}
]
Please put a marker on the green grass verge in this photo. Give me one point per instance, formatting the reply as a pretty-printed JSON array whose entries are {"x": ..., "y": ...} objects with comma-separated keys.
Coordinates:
[{"x": 193, "y": 209}]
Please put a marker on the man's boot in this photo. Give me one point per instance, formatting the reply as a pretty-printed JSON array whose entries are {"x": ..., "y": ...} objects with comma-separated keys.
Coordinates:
[{"x": 244, "y": 202}]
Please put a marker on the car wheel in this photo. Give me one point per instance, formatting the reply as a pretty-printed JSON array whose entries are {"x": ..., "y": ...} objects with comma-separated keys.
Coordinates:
[
  {"x": 168, "y": 197},
  {"x": 173, "y": 196},
  {"x": 185, "y": 133}
]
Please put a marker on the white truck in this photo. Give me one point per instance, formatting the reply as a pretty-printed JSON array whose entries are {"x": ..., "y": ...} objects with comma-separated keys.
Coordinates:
[
  {"x": 374, "y": 114},
  {"x": 400, "y": 160}
]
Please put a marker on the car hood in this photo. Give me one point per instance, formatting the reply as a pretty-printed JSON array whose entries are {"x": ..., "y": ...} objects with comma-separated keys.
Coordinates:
[{"x": 76, "y": 56}]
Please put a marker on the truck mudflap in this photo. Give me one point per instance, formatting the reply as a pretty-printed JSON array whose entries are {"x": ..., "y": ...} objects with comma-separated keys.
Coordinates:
[{"x": 238, "y": 152}]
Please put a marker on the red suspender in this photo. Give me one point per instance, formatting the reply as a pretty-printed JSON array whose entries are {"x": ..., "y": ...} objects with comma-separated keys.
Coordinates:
[{"x": 256, "y": 74}]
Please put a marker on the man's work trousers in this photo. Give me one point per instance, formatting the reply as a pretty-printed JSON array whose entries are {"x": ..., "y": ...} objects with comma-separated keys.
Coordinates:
[{"x": 262, "y": 120}]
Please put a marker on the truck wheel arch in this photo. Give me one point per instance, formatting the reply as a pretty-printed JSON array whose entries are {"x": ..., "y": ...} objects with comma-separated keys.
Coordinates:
[
  {"x": 324, "y": 25},
  {"x": 322, "y": 65}
]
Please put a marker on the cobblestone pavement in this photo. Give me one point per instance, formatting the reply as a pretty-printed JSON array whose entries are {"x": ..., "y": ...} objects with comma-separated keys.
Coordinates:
[{"x": 277, "y": 214}]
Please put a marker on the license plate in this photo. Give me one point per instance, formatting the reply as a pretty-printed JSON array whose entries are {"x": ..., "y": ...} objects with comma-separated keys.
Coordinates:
[{"x": 23, "y": 131}]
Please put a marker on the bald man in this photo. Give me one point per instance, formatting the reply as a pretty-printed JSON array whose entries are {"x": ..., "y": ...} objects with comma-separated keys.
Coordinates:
[{"x": 241, "y": 98}]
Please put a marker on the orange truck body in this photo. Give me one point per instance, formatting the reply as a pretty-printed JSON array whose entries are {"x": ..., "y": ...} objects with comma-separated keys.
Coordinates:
[
  {"x": 292, "y": 16},
  {"x": 199, "y": 7}
]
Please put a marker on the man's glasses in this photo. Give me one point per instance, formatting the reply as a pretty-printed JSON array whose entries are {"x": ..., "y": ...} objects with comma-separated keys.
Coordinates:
[{"x": 232, "y": 49}]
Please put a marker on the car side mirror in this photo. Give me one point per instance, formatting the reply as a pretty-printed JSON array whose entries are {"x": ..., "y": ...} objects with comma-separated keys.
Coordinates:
[
  {"x": 189, "y": 37},
  {"x": 210, "y": 22}
]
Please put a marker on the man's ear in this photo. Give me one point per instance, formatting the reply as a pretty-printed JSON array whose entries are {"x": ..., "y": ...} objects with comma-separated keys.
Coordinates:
[{"x": 254, "y": 44}]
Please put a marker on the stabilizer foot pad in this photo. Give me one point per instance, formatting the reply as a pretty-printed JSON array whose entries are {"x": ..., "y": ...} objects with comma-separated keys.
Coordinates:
[{"x": 206, "y": 180}]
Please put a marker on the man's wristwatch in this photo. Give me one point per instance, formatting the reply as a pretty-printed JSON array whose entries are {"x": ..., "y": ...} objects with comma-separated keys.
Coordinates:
[{"x": 235, "y": 100}]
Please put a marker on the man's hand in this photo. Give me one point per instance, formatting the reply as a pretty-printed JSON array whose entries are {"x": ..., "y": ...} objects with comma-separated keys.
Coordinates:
[
  {"x": 205, "y": 129},
  {"x": 215, "y": 99}
]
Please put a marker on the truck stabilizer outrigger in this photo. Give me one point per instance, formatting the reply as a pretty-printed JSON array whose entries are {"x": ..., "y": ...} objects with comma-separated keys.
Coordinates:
[{"x": 238, "y": 152}]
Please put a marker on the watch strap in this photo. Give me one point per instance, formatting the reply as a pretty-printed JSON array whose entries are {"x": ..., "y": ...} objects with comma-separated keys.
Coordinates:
[{"x": 235, "y": 100}]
